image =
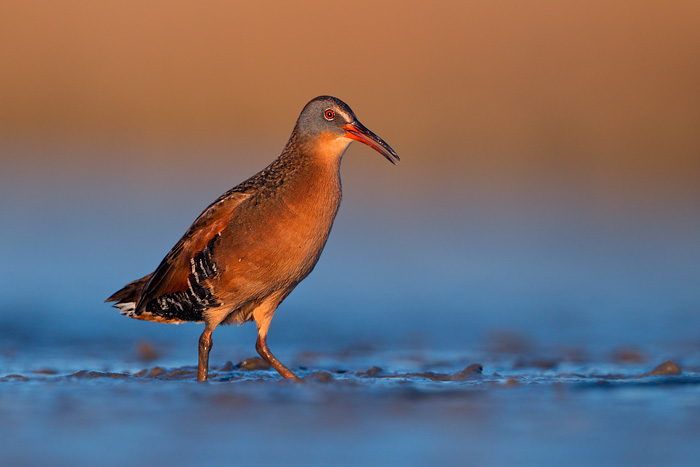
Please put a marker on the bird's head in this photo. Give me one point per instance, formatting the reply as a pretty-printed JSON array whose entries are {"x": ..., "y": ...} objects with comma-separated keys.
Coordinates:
[{"x": 332, "y": 125}]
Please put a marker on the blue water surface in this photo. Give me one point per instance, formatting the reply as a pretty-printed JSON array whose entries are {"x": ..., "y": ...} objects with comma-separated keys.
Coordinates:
[{"x": 565, "y": 305}]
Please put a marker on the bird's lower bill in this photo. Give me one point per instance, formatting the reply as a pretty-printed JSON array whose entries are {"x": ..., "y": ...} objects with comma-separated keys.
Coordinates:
[{"x": 358, "y": 132}]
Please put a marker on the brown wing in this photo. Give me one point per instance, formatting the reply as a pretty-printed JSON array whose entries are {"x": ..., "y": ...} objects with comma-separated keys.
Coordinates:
[{"x": 172, "y": 273}]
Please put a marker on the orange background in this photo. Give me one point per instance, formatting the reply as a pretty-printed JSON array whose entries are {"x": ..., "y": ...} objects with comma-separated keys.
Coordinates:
[{"x": 500, "y": 96}]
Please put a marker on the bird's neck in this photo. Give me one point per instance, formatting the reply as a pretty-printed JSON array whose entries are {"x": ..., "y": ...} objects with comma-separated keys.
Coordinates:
[
  {"x": 326, "y": 149},
  {"x": 312, "y": 170}
]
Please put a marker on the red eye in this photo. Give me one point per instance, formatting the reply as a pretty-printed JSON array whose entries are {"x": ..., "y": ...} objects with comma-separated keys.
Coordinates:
[{"x": 330, "y": 115}]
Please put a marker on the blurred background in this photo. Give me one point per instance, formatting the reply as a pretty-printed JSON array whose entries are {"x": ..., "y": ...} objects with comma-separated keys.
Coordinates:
[{"x": 549, "y": 180}]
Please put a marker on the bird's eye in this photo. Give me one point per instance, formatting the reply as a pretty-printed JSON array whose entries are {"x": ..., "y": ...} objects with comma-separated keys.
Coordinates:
[{"x": 330, "y": 115}]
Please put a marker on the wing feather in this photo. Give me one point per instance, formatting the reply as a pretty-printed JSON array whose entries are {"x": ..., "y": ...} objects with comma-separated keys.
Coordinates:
[{"x": 172, "y": 273}]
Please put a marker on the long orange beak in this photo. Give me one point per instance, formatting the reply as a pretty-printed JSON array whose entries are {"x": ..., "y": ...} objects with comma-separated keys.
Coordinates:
[{"x": 359, "y": 132}]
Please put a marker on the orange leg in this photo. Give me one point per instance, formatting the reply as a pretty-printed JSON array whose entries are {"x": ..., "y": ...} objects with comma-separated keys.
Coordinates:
[
  {"x": 263, "y": 315},
  {"x": 205, "y": 344},
  {"x": 264, "y": 351}
]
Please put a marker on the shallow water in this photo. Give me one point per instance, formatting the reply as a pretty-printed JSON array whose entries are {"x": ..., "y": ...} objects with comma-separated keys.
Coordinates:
[
  {"x": 511, "y": 402},
  {"x": 565, "y": 308}
]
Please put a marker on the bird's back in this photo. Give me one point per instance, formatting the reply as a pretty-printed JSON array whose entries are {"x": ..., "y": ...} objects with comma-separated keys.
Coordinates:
[{"x": 260, "y": 238}]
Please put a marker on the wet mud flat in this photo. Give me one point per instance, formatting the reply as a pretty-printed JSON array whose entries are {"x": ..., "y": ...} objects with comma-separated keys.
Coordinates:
[{"x": 502, "y": 405}]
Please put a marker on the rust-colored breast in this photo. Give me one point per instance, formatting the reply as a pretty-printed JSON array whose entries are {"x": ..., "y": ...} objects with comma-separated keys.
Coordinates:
[{"x": 273, "y": 244}]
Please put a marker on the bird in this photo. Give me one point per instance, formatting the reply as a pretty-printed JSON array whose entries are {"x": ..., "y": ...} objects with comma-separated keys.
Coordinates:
[{"x": 252, "y": 246}]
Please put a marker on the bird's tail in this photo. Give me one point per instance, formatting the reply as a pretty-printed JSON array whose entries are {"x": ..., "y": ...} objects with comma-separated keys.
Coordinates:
[{"x": 129, "y": 295}]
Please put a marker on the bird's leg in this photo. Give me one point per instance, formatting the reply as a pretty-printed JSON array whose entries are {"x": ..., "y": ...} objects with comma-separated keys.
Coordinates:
[
  {"x": 264, "y": 351},
  {"x": 263, "y": 316},
  {"x": 205, "y": 344}
]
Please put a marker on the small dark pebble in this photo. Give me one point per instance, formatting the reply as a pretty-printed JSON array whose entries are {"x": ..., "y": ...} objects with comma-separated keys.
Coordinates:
[
  {"x": 319, "y": 377},
  {"x": 45, "y": 371},
  {"x": 155, "y": 371},
  {"x": 374, "y": 372},
  {"x": 475, "y": 370},
  {"x": 512, "y": 382},
  {"x": 471, "y": 372},
  {"x": 252, "y": 364},
  {"x": 98, "y": 374},
  {"x": 14, "y": 378},
  {"x": 666, "y": 368},
  {"x": 228, "y": 366},
  {"x": 180, "y": 374}
]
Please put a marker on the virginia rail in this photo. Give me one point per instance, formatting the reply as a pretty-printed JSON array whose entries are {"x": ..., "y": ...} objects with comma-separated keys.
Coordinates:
[{"x": 248, "y": 250}]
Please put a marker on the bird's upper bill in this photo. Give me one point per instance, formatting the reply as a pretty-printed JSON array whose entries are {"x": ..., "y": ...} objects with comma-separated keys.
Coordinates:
[{"x": 359, "y": 132}]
